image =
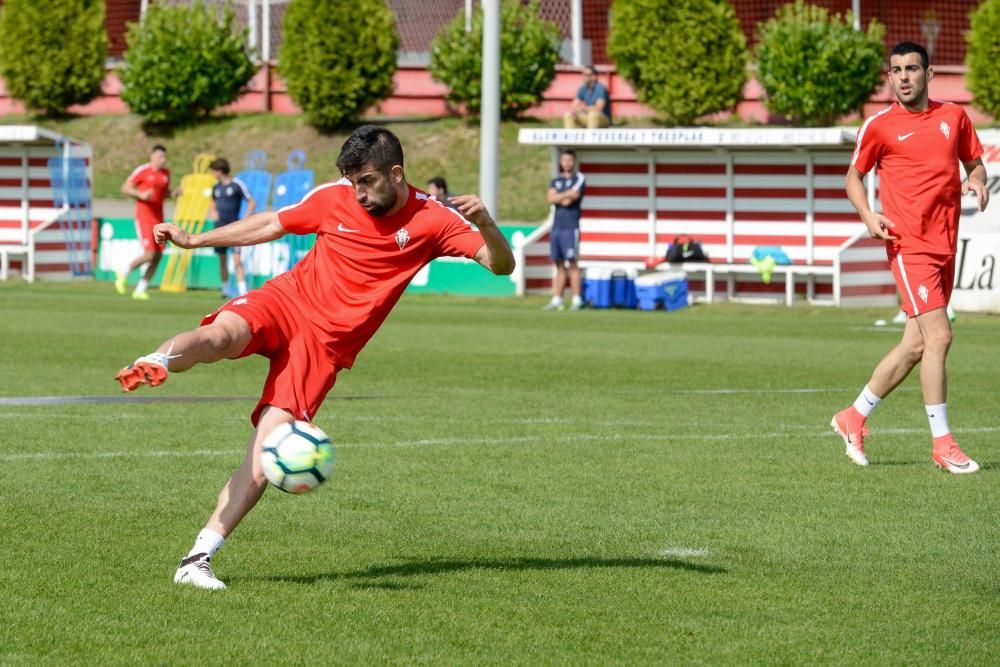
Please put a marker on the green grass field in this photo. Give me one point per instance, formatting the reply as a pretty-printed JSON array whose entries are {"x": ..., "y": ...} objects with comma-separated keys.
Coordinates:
[{"x": 512, "y": 486}]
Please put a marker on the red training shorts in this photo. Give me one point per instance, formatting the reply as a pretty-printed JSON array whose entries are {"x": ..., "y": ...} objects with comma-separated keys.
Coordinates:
[
  {"x": 924, "y": 281},
  {"x": 301, "y": 371},
  {"x": 144, "y": 224}
]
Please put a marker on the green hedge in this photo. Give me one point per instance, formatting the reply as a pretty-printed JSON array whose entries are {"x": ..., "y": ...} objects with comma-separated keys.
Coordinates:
[
  {"x": 52, "y": 52},
  {"x": 983, "y": 56},
  {"x": 184, "y": 61},
  {"x": 338, "y": 57},
  {"x": 529, "y": 51},
  {"x": 814, "y": 67},
  {"x": 685, "y": 58}
]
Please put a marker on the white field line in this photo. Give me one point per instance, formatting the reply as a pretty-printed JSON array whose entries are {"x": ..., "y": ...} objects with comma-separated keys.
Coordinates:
[
  {"x": 431, "y": 442},
  {"x": 685, "y": 552}
]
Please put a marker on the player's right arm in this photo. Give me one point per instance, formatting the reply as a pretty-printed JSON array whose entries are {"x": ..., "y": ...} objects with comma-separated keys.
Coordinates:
[
  {"x": 129, "y": 188},
  {"x": 254, "y": 229},
  {"x": 878, "y": 225}
]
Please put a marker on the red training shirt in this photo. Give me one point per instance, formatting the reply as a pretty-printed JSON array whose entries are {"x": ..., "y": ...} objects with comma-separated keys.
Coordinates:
[
  {"x": 145, "y": 178},
  {"x": 918, "y": 157},
  {"x": 347, "y": 284}
]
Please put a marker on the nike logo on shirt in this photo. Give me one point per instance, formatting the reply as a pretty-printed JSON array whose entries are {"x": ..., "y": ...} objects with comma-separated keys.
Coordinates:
[
  {"x": 904, "y": 137},
  {"x": 341, "y": 228}
]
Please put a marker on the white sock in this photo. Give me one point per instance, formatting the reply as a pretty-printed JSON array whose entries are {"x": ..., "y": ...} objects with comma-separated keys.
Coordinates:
[
  {"x": 242, "y": 286},
  {"x": 557, "y": 301},
  {"x": 577, "y": 300},
  {"x": 866, "y": 402},
  {"x": 141, "y": 286},
  {"x": 207, "y": 542},
  {"x": 937, "y": 415}
]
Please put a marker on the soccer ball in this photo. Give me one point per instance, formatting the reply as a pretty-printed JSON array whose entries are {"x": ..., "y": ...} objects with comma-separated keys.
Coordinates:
[{"x": 297, "y": 457}]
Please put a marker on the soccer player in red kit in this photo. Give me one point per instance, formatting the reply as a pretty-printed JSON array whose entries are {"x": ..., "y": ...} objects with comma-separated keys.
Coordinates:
[
  {"x": 374, "y": 232},
  {"x": 149, "y": 185},
  {"x": 917, "y": 145}
]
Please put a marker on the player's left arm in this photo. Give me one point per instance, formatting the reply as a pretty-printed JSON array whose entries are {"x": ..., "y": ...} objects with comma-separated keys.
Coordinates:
[
  {"x": 495, "y": 254},
  {"x": 976, "y": 181}
]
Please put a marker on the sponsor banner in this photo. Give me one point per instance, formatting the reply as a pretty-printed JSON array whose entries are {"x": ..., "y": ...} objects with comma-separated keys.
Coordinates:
[
  {"x": 118, "y": 245},
  {"x": 976, "y": 287}
]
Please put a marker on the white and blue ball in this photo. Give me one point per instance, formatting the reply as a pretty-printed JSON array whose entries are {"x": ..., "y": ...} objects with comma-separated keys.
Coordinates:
[{"x": 297, "y": 457}]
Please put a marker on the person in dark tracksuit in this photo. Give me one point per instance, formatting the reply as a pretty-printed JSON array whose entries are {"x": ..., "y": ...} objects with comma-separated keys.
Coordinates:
[
  {"x": 228, "y": 195},
  {"x": 566, "y": 195}
]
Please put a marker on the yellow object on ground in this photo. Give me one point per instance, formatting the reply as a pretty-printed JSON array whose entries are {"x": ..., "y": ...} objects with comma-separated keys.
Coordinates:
[{"x": 192, "y": 209}]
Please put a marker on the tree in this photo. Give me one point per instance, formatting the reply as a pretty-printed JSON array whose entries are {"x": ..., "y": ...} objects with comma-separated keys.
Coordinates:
[
  {"x": 338, "y": 58},
  {"x": 982, "y": 57},
  {"x": 52, "y": 52},
  {"x": 184, "y": 61},
  {"x": 685, "y": 58},
  {"x": 815, "y": 68},
  {"x": 529, "y": 51}
]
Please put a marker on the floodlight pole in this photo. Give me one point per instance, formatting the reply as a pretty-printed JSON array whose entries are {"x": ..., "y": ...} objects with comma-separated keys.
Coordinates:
[
  {"x": 468, "y": 15},
  {"x": 252, "y": 23},
  {"x": 489, "y": 109},
  {"x": 856, "y": 10}
]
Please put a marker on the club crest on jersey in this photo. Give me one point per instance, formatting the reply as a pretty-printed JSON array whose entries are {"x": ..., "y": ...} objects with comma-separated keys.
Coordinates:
[
  {"x": 402, "y": 238},
  {"x": 922, "y": 291},
  {"x": 945, "y": 130}
]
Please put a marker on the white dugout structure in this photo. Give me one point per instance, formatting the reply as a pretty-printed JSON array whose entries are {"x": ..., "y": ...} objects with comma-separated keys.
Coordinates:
[
  {"x": 731, "y": 189},
  {"x": 41, "y": 237}
]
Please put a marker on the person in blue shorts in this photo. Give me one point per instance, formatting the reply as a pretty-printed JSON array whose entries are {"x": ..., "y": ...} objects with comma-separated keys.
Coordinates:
[
  {"x": 566, "y": 195},
  {"x": 228, "y": 195}
]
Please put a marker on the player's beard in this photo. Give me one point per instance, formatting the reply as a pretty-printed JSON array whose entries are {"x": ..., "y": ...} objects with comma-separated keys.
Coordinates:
[{"x": 377, "y": 209}]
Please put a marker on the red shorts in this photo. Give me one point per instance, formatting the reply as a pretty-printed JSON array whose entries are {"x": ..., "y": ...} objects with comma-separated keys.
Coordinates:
[
  {"x": 301, "y": 371},
  {"x": 144, "y": 224},
  {"x": 924, "y": 281}
]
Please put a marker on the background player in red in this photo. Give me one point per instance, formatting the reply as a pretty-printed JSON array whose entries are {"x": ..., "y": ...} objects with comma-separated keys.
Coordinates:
[
  {"x": 917, "y": 145},
  {"x": 149, "y": 184},
  {"x": 374, "y": 232}
]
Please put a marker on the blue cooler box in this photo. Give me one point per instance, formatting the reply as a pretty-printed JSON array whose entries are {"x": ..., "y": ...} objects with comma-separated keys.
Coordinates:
[
  {"x": 609, "y": 288},
  {"x": 666, "y": 290}
]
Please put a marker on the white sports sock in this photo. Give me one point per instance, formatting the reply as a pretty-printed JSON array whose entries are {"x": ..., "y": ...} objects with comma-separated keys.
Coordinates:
[
  {"x": 141, "y": 286},
  {"x": 937, "y": 415},
  {"x": 866, "y": 402},
  {"x": 557, "y": 301},
  {"x": 577, "y": 300},
  {"x": 242, "y": 286},
  {"x": 207, "y": 542}
]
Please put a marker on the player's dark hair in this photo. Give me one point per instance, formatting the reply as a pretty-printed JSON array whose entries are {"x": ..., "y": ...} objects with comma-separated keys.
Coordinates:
[
  {"x": 904, "y": 48},
  {"x": 568, "y": 151},
  {"x": 158, "y": 147},
  {"x": 370, "y": 146},
  {"x": 590, "y": 69},
  {"x": 439, "y": 183},
  {"x": 220, "y": 164}
]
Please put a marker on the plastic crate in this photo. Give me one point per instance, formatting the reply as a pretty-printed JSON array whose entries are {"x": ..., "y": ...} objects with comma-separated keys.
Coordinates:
[{"x": 666, "y": 290}]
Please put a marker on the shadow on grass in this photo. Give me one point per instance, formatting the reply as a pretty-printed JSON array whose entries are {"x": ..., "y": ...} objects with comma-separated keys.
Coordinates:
[{"x": 416, "y": 568}]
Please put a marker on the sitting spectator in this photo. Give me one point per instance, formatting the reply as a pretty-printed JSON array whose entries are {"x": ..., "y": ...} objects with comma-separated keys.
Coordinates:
[{"x": 592, "y": 106}]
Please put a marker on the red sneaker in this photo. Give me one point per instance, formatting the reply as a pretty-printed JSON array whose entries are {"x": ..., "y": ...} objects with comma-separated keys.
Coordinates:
[
  {"x": 948, "y": 456},
  {"x": 850, "y": 425},
  {"x": 151, "y": 370}
]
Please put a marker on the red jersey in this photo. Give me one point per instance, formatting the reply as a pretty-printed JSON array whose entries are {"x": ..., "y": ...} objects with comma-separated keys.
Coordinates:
[
  {"x": 347, "y": 284},
  {"x": 147, "y": 179},
  {"x": 918, "y": 157}
]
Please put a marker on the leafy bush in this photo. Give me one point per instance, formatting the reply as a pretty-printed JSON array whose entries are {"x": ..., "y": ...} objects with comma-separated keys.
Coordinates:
[
  {"x": 685, "y": 58},
  {"x": 529, "y": 51},
  {"x": 815, "y": 68},
  {"x": 184, "y": 61},
  {"x": 52, "y": 52},
  {"x": 338, "y": 58},
  {"x": 982, "y": 57}
]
